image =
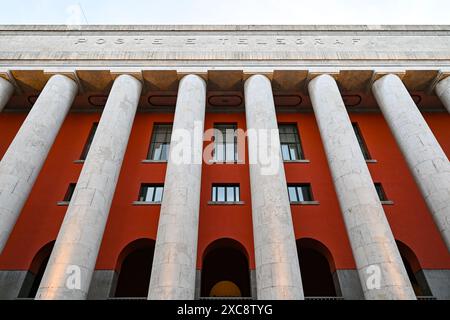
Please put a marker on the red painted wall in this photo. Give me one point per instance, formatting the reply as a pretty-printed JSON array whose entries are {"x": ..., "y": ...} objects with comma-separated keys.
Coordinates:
[
  {"x": 40, "y": 219},
  {"x": 409, "y": 218}
]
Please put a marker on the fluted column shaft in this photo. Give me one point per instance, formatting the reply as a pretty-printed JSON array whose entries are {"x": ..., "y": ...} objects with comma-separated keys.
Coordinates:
[
  {"x": 26, "y": 154},
  {"x": 425, "y": 158},
  {"x": 371, "y": 239},
  {"x": 277, "y": 265},
  {"x": 443, "y": 92},
  {"x": 6, "y": 91},
  {"x": 175, "y": 257},
  {"x": 71, "y": 265}
]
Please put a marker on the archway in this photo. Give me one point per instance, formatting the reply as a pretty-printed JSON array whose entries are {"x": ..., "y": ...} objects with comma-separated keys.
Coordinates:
[
  {"x": 413, "y": 269},
  {"x": 134, "y": 267},
  {"x": 37, "y": 269},
  {"x": 317, "y": 267},
  {"x": 225, "y": 270}
]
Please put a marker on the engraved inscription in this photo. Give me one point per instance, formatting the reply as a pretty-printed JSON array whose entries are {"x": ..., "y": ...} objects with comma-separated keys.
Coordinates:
[
  {"x": 191, "y": 41},
  {"x": 243, "y": 41},
  {"x": 240, "y": 41},
  {"x": 232, "y": 45}
]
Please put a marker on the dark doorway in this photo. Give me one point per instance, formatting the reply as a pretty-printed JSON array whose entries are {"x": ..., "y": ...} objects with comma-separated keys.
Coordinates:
[
  {"x": 37, "y": 269},
  {"x": 316, "y": 269},
  {"x": 225, "y": 271},
  {"x": 413, "y": 269},
  {"x": 135, "y": 269}
]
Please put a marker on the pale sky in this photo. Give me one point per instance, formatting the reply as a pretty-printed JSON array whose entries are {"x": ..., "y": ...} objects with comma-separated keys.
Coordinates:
[{"x": 225, "y": 12}]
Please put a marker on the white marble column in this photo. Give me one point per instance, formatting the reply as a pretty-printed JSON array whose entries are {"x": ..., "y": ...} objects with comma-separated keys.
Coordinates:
[
  {"x": 371, "y": 239},
  {"x": 277, "y": 265},
  {"x": 72, "y": 262},
  {"x": 175, "y": 257},
  {"x": 443, "y": 92},
  {"x": 6, "y": 91},
  {"x": 26, "y": 154},
  {"x": 426, "y": 160}
]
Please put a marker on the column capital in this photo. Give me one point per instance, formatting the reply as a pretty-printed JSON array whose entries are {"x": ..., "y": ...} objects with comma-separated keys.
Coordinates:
[
  {"x": 6, "y": 91},
  {"x": 128, "y": 77},
  {"x": 255, "y": 78},
  {"x": 443, "y": 92},
  {"x": 390, "y": 77},
  {"x": 193, "y": 79},
  {"x": 322, "y": 77}
]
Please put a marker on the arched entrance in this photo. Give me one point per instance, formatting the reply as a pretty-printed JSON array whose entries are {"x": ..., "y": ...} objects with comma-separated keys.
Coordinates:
[
  {"x": 317, "y": 267},
  {"x": 413, "y": 268},
  {"x": 37, "y": 269},
  {"x": 225, "y": 270},
  {"x": 134, "y": 268}
]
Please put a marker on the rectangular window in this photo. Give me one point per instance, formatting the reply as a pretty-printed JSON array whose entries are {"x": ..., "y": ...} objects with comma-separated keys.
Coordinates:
[
  {"x": 225, "y": 143},
  {"x": 89, "y": 140},
  {"x": 152, "y": 193},
  {"x": 159, "y": 146},
  {"x": 380, "y": 191},
  {"x": 362, "y": 143},
  {"x": 291, "y": 148},
  {"x": 69, "y": 192},
  {"x": 225, "y": 193},
  {"x": 300, "y": 192}
]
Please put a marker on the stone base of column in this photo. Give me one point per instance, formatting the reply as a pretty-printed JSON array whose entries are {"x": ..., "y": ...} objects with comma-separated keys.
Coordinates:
[
  {"x": 15, "y": 284},
  {"x": 438, "y": 282},
  {"x": 347, "y": 284},
  {"x": 103, "y": 285},
  {"x": 253, "y": 288},
  {"x": 198, "y": 284}
]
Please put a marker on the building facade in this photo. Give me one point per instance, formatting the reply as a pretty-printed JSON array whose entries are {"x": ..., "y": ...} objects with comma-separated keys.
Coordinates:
[{"x": 305, "y": 162}]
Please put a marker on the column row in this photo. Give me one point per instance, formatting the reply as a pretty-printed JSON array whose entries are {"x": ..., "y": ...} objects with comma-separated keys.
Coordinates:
[{"x": 277, "y": 268}]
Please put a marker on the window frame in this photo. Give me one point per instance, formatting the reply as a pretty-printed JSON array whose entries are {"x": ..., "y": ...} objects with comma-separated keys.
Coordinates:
[
  {"x": 69, "y": 192},
  {"x": 300, "y": 154},
  {"x": 144, "y": 189},
  {"x": 88, "y": 142},
  {"x": 361, "y": 141},
  {"x": 309, "y": 195},
  {"x": 164, "y": 143},
  {"x": 215, "y": 192},
  {"x": 232, "y": 126},
  {"x": 382, "y": 196}
]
